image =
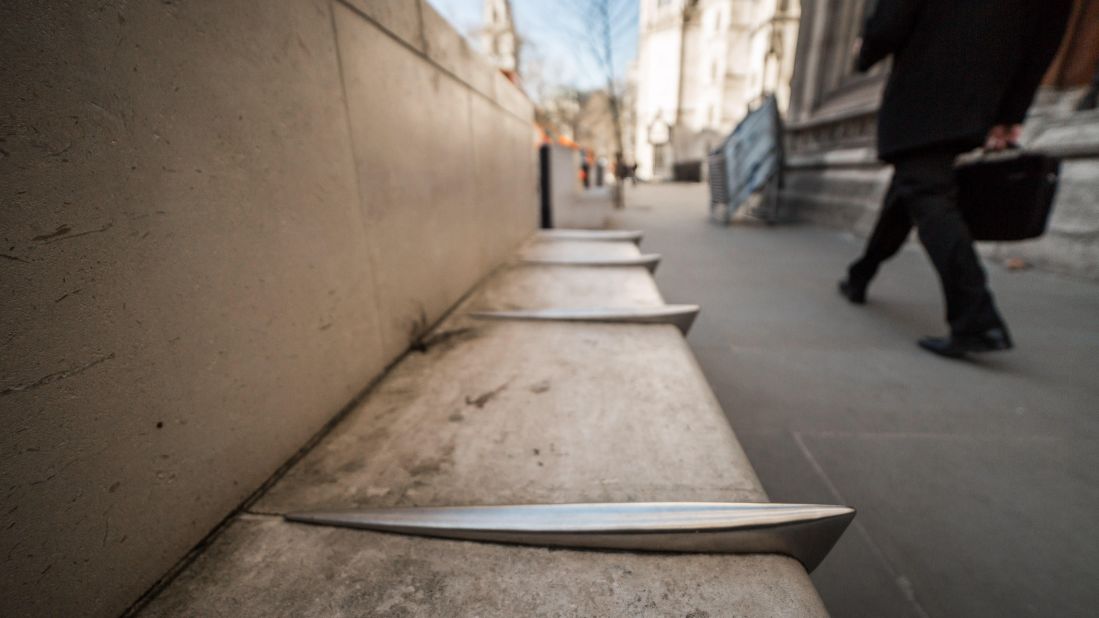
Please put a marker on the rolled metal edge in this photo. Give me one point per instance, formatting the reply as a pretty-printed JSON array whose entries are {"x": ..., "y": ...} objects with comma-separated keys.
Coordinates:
[
  {"x": 648, "y": 260},
  {"x": 804, "y": 532},
  {"x": 682, "y": 316}
]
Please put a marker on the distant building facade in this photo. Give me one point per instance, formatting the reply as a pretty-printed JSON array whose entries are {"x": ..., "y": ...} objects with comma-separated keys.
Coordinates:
[
  {"x": 701, "y": 64},
  {"x": 833, "y": 175},
  {"x": 499, "y": 42}
]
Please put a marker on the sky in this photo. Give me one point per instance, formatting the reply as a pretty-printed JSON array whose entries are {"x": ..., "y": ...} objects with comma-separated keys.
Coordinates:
[{"x": 552, "y": 46}]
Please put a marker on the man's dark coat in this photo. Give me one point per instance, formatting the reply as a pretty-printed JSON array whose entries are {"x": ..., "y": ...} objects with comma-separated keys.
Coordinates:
[{"x": 960, "y": 67}]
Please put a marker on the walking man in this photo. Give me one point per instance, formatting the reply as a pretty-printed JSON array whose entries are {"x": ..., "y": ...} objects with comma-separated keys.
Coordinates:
[{"x": 964, "y": 74}]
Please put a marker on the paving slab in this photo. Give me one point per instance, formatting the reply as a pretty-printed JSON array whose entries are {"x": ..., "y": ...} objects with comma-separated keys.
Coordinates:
[
  {"x": 982, "y": 488},
  {"x": 863, "y": 582}
]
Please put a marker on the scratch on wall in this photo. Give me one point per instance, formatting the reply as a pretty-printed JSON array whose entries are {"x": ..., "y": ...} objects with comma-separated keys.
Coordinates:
[
  {"x": 62, "y": 233},
  {"x": 54, "y": 377}
]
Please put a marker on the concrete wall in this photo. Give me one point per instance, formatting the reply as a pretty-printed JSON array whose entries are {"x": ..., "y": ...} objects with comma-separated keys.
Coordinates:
[{"x": 220, "y": 222}]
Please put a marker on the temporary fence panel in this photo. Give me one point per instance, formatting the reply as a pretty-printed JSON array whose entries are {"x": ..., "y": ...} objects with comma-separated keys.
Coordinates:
[{"x": 748, "y": 161}]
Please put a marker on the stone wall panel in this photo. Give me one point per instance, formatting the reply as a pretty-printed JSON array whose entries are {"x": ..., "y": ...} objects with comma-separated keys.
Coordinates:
[{"x": 208, "y": 250}]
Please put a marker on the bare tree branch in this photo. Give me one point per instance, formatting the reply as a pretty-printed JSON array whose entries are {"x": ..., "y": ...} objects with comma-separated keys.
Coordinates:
[{"x": 597, "y": 26}]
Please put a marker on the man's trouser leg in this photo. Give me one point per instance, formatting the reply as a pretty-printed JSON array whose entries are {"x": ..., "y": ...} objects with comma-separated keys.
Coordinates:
[
  {"x": 889, "y": 235},
  {"x": 925, "y": 185}
]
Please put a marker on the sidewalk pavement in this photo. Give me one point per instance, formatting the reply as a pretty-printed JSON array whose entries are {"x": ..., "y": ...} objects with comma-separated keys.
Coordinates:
[{"x": 976, "y": 481}]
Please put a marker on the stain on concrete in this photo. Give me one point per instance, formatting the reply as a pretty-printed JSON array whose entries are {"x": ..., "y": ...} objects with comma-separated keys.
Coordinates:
[
  {"x": 417, "y": 328},
  {"x": 427, "y": 466},
  {"x": 480, "y": 400},
  {"x": 432, "y": 465},
  {"x": 68, "y": 294},
  {"x": 317, "y": 473},
  {"x": 352, "y": 467},
  {"x": 63, "y": 233},
  {"x": 540, "y": 387},
  {"x": 61, "y": 230},
  {"x": 410, "y": 587},
  {"x": 444, "y": 341}
]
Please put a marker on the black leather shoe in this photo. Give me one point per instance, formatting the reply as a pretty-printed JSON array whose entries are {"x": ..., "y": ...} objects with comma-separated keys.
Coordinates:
[
  {"x": 854, "y": 293},
  {"x": 992, "y": 340}
]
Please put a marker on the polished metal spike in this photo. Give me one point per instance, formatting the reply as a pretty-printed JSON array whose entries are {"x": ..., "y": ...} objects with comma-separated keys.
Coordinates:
[
  {"x": 633, "y": 236},
  {"x": 805, "y": 532},
  {"x": 648, "y": 260},
  {"x": 682, "y": 316}
]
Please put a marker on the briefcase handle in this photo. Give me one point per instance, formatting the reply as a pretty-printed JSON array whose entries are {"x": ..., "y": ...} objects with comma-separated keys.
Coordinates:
[{"x": 982, "y": 155}]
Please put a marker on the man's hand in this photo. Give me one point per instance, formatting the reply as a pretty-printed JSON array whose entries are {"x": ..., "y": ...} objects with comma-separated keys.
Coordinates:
[{"x": 1003, "y": 136}]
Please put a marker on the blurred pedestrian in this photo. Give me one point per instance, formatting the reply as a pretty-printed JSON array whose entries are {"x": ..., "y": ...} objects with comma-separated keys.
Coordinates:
[{"x": 964, "y": 74}]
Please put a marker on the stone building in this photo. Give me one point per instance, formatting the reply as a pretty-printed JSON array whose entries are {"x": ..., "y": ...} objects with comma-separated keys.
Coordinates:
[
  {"x": 833, "y": 175},
  {"x": 700, "y": 65},
  {"x": 499, "y": 42}
]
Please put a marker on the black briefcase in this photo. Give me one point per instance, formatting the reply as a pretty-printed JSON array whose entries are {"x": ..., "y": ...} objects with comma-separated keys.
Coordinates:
[{"x": 1009, "y": 195}]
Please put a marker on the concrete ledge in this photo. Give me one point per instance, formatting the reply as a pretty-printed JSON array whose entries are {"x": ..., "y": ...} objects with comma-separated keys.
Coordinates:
[
  {"x": 532, "y": 288},
  {"x": 578, "y": 250},
  {"x": 516, "y": 412},
  {"x": 1073, "y": 136},
  {"x": 508, "y": 413},
  {"x": 633, "y": 236},
  {"x": 263, "y": 567},
  {"x": 581, "y": 253}
]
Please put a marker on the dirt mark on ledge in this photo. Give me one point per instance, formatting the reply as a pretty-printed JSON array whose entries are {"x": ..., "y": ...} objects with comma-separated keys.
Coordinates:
[
  {"x": 480, "y": 400},
  {"x": 443, "y": 341}
]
